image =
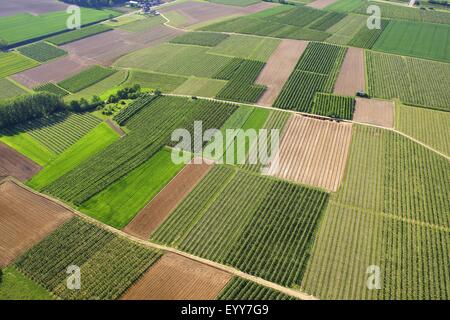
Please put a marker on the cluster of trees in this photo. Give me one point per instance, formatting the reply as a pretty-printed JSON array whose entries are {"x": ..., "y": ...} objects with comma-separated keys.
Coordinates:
[
  {"x": 96, "y": 3},
  {"x": 28, "y": 107},
  {"x": 126, "y": 93}
]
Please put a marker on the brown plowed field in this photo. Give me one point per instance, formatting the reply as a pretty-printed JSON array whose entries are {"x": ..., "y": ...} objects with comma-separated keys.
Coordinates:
[
  {"x": 12, "y": 163},
  {"x": 175, "y": 277},
  {"x": 197, "y": 12},
  {"x": 373, "y": 111},
  {"x": 162, "y": 205},
  {"x": 352, "y": 75},
  {"x": 25, "y": 219},
  {"x": 313, "y": 152},
  {"x": 278, "y": 68},
  {"x": 9, "y": 8},
  {"x": 320, "y": 4}
]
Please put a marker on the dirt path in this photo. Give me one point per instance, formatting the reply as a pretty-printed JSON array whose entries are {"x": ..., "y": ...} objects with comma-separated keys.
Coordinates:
[
  {"x": 351, "y": 78},
  {"x": 278, "y": 68},
  {"x": 166, "y": 200},
  {"x": 115, "y": 127},
  {"x": 231, "y": 270}
]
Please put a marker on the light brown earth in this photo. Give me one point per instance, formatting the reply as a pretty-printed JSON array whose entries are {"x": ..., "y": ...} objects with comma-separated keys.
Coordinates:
[
  {"x": 197, "y": 12},
  {"x": 103, "y": 49},
  {"x": 167, "y": 200},
  {"x": 175, "y": 277},
  {"x": 373, "y": 111},
  {"x": 320, "y": 4},
  {"x": 313, "y": 152},
  {"x": 278, "y": 69},
  {"x": 25, "y": 219},
  {"x": 14, "y": 164},
  {"x": 351, "y": 78},
  {"x": 115, "y": 127},
  {"x": 9, "y": 8}
]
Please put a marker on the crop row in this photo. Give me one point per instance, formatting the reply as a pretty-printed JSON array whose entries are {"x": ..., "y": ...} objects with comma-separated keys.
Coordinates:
[
  {"x": 299, "y": 16},
  {"x": 13, "y": 62},
  {"x": 51, "y": 88},
  {"x": 59, "y": 131},
  {"x": 78, "y": 34},
  {"x": 328, "y": 21},
  {"x": 334, "y": 106},
  {"x": 243, "y": 220},
  {"x": 207, "y": 39},
  {"x": 108, "y": 264},
  {"x": 241, "y": 289},
  {"x": 366, "y": 38},
  {"x": 86, "y": 78},
  {"x": 151, "y": 130},
  {"x": 132, "y": 109},
  {"x": 41, "y": 51}
]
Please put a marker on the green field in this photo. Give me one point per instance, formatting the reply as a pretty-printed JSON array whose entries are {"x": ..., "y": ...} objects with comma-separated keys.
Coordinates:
[
  {"x": 346, "y": 29},
  {"x": 316, "y": 71},
  {"x": 366, "y": 38},
  {"x": 78, "y": 34},
  {"x": 51, "y": 88},
  {"x": 333, "y": 106},
  {"x": 423, "y": 40},
  {"x": 155, "y": 81},
  {"x": 206, "y": 39},
  {"x": 123, "y": 20},
  {"x": 201, "y": 87},
  {"x": 241, "y": 289},
  {"x": 240, "y": 3},
  {"x": 25, "y": 26},
  {"x": 243, "y": 220},
  {"x": 414, "y": 81},
  {"x": 390, "y": 213},
  {"x": 28, "y": 146},
  {"x": 114, "y": 162},
  {"x": 427, "y": 126},
  {"x": 344, "y": 5},
  {"x": 15, "y": 286},
  {"x": 142, "y": 24},
  {"x": 255, "y": 48},
  {"x": 86, "y": 78},
  {"x": 176, "y": 59},
  {"x": 121, "y": 201},
  {"x": 95, "y": 141},
  {"x": 327, "y": 21},
  {"x": 109, "y": 264},
  {"x": 13, "y": 62},
  {"x": 41, "y": 51},
  {"x": 60, "y": 130},
  {"x": 9, "y": 89}
]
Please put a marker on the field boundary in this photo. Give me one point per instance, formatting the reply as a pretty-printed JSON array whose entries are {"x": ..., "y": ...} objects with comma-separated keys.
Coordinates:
[{"x": 289, "y": 291}]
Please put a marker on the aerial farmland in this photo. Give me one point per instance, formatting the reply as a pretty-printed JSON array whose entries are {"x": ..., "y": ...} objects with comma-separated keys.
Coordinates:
[{"x": 224, "y": 150}]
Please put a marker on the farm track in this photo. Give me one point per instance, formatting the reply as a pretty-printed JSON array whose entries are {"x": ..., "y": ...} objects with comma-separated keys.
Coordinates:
[{"x": 231, "y": 270}]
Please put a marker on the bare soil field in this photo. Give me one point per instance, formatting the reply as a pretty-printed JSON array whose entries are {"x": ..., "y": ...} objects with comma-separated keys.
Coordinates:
[
  {"x": 25, "y": 219},
  {"x": 320, "y": 4},
  {"x": 313, "y": 152},
  {"x": 166, "y": 201},
  {"x": 8, "y": 8},
  {"x": 373, "y": 111},
  {"x": 175, "y": 277},
  {"x": 14, "y": 164},
  {"x": 198, "y": 12},
  {"x": 352, "y": 75},
  {"x": 278, "y": 69}
]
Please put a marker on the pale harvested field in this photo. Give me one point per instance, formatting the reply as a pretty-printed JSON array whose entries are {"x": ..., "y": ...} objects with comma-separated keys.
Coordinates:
[
  {"x": 320, "y": 4},
  {"x": 373, "y": 111},
  {"x": 278, "y": 69},
  {"x": 313, "y": 152},
  {"x": 198, "y": 12},
  {"x": 11, "y": 7},
  {"x": 25, "y": 219},
  {"x": 351, "y": 78},
  {"x": 167, "y": 200},
  {"x": 175, "y": 277},
  {"x": 14, "y": 164}
]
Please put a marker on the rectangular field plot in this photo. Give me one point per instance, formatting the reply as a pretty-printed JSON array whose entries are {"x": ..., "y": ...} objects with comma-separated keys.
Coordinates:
[
  {"x": 352, "y": 77},
  {"x": 202, "y": 87},
  {"x": 8, "y": 89},
  {"x": 427, "y": 126},
  {"x": 159, "y": 81},
  {"x": 86, "y": 78},
  {"x": 313, "y": 152},
  {"x": 59, "y": 131},
  {"x": 41, "y": 51},
  {"x": 78, "y": 34},
  {"x": 52, "y": 88},
  {"x": 345, "y": 30},
  {"x": 206, "y": 39},
  {"x": 373, "y": 111},
  {"x": 109, "y": 264},
  {"x": 414, "y": 81},
  {"x": 256, "y": 224},
  {"x": 120, "y": 202},
  {"x": 366, "y": 38},
  {"x": 13, "y": 62},
  {"x": 15, "y": 286},
  {"x": 341, "y": 107},
  {"x": 13, "y": 163},
  {"x": 25, "y": 219},
  {"x": 174, "y": 277},
  {"x": 423, "y": 40}
]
